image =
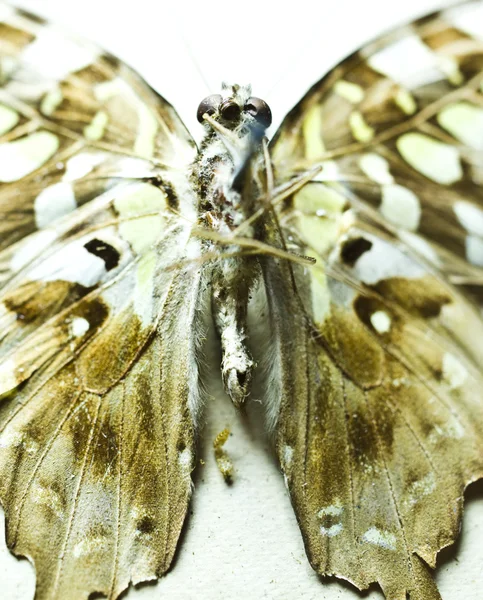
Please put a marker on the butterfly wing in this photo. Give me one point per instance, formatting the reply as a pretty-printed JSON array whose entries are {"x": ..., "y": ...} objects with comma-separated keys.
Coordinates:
[
  {"x": 378, "y": 412},
  {"x": 98, "y": 365},
  {"x": 72, "y": 119},
  {"x": 399, "y": 123}
]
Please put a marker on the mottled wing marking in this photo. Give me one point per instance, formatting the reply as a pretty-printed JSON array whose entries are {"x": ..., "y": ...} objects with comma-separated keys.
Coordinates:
[
  {"x": 98, "y": 316},
  {"x": 399, "y": 124},
  {"x": 380, "y": 423},
  {"x": 72, "y": 121},
  {"x": 98, "y": 377}
]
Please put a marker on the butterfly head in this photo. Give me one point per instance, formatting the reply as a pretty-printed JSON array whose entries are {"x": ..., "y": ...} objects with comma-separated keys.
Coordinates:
[{"x": 235, "y": 107}]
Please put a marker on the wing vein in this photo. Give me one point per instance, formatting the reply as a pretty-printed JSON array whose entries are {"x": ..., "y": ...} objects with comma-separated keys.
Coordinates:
[
  {"x": 119, "y": 494},
  {"x": 349, "y": 457},
  {"x": 50, "y": 443},
  {"x": 60, "y": 560},
  {"x": 391, "y": 487}
]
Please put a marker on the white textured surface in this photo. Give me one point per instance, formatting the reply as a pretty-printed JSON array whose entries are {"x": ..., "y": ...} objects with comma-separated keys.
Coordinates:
[{"x": 243, "y": 541}]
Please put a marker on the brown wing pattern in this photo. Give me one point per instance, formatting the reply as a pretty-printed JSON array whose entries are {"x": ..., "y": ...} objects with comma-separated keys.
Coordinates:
[
  {"x": 98, "y": 319},
  {"x": 380, "y": 423},
  {"x": 98, "y": 380},
  {"x": 73, "y": 120}
]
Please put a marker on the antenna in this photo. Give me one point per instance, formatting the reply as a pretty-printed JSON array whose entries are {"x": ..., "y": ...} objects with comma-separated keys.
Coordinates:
[{"x": 178, "y": 20}]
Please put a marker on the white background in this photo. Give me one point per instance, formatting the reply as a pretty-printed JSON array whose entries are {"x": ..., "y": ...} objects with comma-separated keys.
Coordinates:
[{"x": 243, "y": 541}]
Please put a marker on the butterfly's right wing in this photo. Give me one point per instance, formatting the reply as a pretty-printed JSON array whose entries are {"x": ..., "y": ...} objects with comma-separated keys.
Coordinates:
[
  {"x": 376, "y": 376},
  {"x": 399, "y": 125}
]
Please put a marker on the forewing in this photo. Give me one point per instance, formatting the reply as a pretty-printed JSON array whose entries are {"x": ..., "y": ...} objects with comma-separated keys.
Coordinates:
[
  {"x": 72, "y": 120},
  {"x": 99, "y": 311},
  {"x": 400, "y": 125},
  {"x": 379, "y": 426}
]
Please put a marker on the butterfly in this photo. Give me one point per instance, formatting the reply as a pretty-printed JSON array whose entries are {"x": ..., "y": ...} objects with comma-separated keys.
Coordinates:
[{"x": 354, "y": 238}]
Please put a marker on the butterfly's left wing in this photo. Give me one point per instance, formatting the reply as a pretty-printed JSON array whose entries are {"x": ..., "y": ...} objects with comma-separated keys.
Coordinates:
[
  {"x": 98, "y": 315},
  {"x": 72, "y": 119},
  {"x": 376, "y": 383}
]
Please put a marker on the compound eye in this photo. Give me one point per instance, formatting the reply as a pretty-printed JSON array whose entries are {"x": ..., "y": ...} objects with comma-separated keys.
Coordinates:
[
  {"x": 260, "y": 110},
  {"x": 208, "y": 106},
  {"x": 230, "y": 110}
]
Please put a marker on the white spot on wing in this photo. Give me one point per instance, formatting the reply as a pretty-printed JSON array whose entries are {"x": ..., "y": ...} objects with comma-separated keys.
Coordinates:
[
  {"x": 140, "y": 198},
  {"x": 333, "y": 510},
  {"x": 80, "y": 165},
  {"x": 320, "y": 295},
  {"x": 184, "y": 458},
  {"x": 406, "y": 102},
  {"x": 376, "y": 168},
  {"x": 287, "y": 456},
  {"x": 361, "y": 131},
  {"x": 420, "y": 245},
  {"x": 32, "y": 247},
  {"x": 421, "y": 488},
  {"x": 350, "y": 91},
  {"x": 8, "y": 118},
  {"x": 79, "y": 326},
  {"x": 451, "y": 69},
  {"x": 51, "y": 101},
  {"x": 331, "y": 531},
  {"x": 147, "y": 129},
  {"x": 384, "y": 261},
  {"x": 54, "y": 202},
  {"x": 384, "y": 539},
  {"x": 8, "y": 380},
  {"x": 107, "y": 89},
  {"x": 55, "y": 55},
  {"x": 48, "y": 497},
  {"x": 407, "y": 61},
  {"x": 469, "y": 216},
  {"x": 96, "y": 129},
  {"x": 381, "y": 321},
  {"x": 474, "y": 250},
  {"x": 434, "y": 159},
  {"x": 143, "y": 292},
  {"x": 465, "y": 122},
  {"x": 72, "y": 263},
  {"x": 454, "y": 372},
  {"x": 466, "y": 18}
]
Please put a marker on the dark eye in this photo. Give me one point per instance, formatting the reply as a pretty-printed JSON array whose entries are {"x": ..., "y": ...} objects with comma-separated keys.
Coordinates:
[
  {"x": 209, "y": 105},
  {"x": 230, "y": 110},
  {"x": 260, "y": 110}
]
